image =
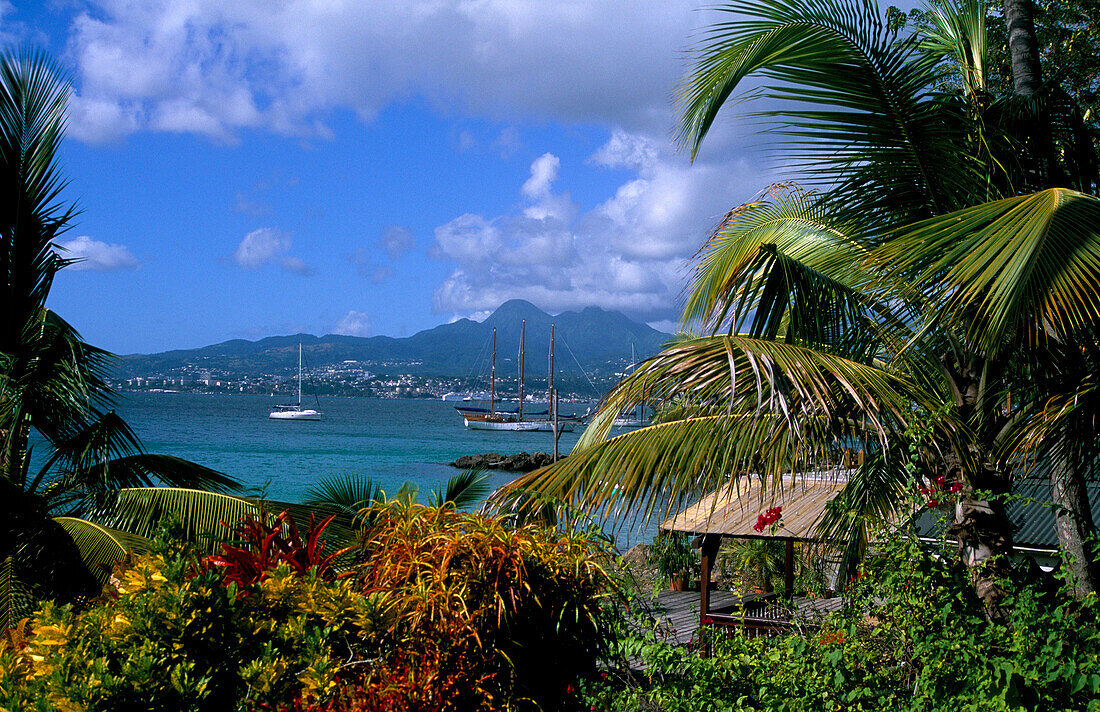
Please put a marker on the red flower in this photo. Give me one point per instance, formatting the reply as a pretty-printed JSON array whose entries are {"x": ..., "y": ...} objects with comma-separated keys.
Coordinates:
[{"x": 769, "y": 518}]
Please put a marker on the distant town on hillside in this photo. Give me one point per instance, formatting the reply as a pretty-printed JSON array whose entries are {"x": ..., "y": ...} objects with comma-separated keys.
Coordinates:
[{"x": 594, "y": 348}]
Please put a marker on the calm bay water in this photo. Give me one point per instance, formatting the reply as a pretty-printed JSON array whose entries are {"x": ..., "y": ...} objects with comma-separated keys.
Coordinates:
[{"x": 390, "y": 441}]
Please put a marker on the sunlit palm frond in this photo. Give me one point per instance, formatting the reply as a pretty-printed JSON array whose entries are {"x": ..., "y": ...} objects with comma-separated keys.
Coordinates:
[
  {"x": 761, "y": 407},
  {"x": 793, "y": 223},
  {"x": 101, "y": 547},
  {"x": 956, "y": 31},
  {"x": 857, "y": 111},
  {"x": 141, "y": 510},
  {"x": 1022, "y": 265},
  {"x": 656, "y": 470},
  {"x": 744, "y": 375}
]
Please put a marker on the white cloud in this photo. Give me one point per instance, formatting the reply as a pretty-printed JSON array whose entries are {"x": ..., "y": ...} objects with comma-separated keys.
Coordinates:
[
  {"x": 508, "y": 142},
  {"x": 213, "y": 67},
  {"x": 544, "y": 171},
  {"x": 631, "y": 252},
  {"x": 260, "y": 247},
  {"x": 267, "y": 245},
  {"x": 354, "y": 323},
  {"x": 296, "y": 265},
  {"x": 95, "y": 255},
  {"x": 625, "y": 150},
  {"x": 396, "y": 241}
]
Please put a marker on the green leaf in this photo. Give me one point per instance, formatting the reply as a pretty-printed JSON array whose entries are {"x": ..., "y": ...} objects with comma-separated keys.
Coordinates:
[
  {"x": 101, "y": 547},
  {"x": 1008, "y": 269}
]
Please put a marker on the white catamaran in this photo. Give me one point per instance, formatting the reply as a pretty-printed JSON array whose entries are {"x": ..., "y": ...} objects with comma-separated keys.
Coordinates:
[{"x": 295, "y": 411}]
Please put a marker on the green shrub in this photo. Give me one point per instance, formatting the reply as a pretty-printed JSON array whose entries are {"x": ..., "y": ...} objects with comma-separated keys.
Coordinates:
[{"x": 914, "y": 638}]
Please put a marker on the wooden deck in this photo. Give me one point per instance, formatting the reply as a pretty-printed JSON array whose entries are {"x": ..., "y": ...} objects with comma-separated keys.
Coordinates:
[{"x": 680, "y": 609}]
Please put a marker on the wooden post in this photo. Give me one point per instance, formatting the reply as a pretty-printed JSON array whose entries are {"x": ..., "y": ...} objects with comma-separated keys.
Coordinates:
[
  {"x": 554, "y": 422},
  {"x": 788, "y": 569},
  {"x": 709, "y": 550}
]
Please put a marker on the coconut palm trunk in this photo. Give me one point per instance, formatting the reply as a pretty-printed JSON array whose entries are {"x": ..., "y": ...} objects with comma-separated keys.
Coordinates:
[
  {"x": 1073, "y": 520},
  {"x": 1027, "y": 79},
  {"x": 1023, "y": 45},
  {"x": 980, "y": 525}
]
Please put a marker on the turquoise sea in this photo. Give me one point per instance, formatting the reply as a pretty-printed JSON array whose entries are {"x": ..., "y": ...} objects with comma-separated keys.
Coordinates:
[{"x": 390, "y": 441}]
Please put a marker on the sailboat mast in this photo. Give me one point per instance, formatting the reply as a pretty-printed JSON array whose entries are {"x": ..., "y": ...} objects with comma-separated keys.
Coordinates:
[
  {"x": 522, "y": 340},
  {"x": 493, "y": 377},
  {"x": 551, "y": 384},
  {"x": 633, "y": 362},
  {"x": 299, "y": 374}
]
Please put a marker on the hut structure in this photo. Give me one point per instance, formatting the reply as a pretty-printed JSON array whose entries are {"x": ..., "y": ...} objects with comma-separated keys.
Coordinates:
[{"x": 737, "y": 512}]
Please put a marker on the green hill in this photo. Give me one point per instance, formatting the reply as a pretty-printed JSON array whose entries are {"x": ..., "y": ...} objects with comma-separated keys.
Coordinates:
[{"x": 600, "y": 341}]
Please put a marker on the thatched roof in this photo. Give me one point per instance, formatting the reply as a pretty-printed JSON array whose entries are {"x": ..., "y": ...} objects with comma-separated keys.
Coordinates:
[{"x": 733, "y": 511}]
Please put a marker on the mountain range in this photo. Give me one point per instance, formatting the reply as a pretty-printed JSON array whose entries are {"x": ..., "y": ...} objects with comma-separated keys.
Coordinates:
[{"x": 596, "y": 338}]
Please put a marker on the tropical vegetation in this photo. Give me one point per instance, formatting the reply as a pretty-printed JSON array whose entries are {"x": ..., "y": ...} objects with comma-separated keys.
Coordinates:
[
  {"x": 913, "y": 638},
  {"x": 929, "y": 294},
  {"x": 75, "y": 506},
  {"x": 441, "y": 611}
]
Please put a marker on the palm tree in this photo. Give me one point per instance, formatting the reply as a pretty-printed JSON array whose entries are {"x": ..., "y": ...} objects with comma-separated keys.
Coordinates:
[
  {"x": 72, "y": 511},
  {"x": 904, "y": 291}
]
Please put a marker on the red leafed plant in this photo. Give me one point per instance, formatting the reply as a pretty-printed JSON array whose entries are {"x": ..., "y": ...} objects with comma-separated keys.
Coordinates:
[{"x": 265, "y": 546}]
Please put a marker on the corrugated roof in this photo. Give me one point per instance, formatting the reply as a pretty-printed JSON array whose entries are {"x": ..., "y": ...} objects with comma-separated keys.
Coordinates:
[
  {"x": 733, "y": 511},
  {"x": 1030, "y": 511}
]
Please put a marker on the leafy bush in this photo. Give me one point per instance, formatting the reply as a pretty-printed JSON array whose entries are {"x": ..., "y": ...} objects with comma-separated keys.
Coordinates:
[
  {"x": 445, "y": 611},
  {"x": 913, "y": 638},
  {"x": 515, "y": 610},
  {"x": 673, "y": 556}
]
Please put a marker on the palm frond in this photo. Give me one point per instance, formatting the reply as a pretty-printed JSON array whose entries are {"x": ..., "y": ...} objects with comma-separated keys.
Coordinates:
[
  {"x": 790, "y": 220},
  {"x": 956, "y": 31},
  {"x": 655, "y": 471},
  {"x": 463, "y": 490},
  {"x": 101, "y": 547},
  {"x": 33, "y": 97},
  {"x": 347, "y": 491},
  {"x": 858, "y": 111},
  {"x": 872, "y": 499},
  {"x": 747, "y": 376},
  {"x": 16, "y": 599},
  {"x": 1023, "y": 265},
  {"x": 140, "y": 511}
]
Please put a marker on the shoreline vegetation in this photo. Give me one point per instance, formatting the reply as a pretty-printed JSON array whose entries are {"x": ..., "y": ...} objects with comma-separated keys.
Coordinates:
[{"x": 919, "y": 321}]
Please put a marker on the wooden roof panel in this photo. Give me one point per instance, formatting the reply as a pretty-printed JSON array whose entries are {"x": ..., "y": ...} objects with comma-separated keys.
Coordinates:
[{"x": 733, "y": 511}]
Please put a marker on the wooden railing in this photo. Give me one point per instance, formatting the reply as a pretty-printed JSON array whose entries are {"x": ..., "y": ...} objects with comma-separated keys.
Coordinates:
[{"x": 760, "y": 617}]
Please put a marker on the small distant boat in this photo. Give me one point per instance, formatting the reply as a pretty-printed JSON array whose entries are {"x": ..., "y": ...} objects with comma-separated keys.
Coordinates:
[
  {"x": 295, "y": 411},
  {"x": 465, "y": 396}
]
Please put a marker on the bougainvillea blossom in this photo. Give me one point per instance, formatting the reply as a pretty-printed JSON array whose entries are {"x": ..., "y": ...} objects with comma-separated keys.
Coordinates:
[{"x": 770, "y": 518}]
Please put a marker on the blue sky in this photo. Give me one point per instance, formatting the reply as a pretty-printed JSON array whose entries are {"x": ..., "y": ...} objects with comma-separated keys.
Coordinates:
[{"x": 252, "y": 168}]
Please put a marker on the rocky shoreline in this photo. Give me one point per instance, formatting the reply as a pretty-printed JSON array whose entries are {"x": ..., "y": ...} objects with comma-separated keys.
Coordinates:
[{"x": 520, "y": 462}]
